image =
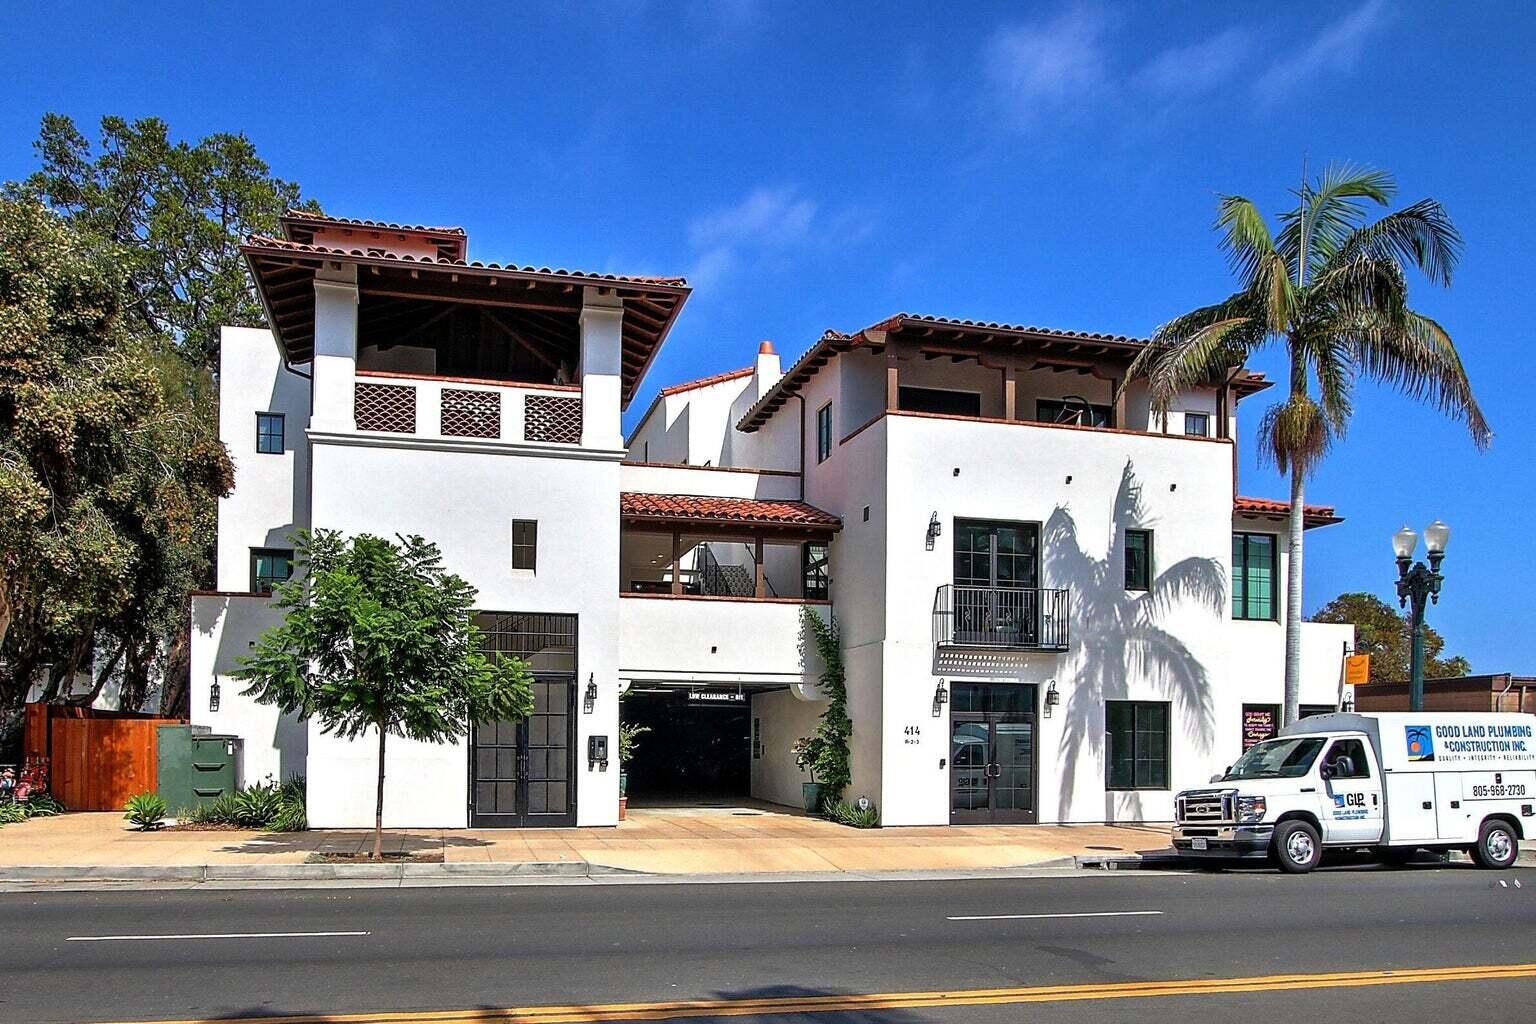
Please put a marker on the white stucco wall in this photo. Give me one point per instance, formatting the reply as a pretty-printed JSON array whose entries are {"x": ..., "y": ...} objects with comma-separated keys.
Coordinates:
[
  {"x": 270, "y": 499},
  {"x": 724, "y": 483},
  {"x": 782, "y": 719},
  {"x": 714, "y": 640}
]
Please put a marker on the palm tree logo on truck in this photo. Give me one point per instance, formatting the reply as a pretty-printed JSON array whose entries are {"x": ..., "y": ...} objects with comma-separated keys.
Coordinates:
[{"x": 1421, "y": 744}]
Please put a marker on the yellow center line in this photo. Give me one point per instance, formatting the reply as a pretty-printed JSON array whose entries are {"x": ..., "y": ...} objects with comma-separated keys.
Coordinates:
[{"x": 677, "y": 1010}]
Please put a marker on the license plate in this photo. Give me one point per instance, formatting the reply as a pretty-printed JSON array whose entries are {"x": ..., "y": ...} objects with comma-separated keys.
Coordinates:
[{"x": 1199, "y": 844}]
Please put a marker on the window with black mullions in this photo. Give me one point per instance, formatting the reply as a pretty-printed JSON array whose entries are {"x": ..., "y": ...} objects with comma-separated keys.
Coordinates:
[
  {"x": 1136, "y": 736},
  {"x": 813, "y": 556},
  {"x": 269, "y": 567},
  {"x": 525, "y": 543},
  {"x": 1138, "y": 559},
  {"x": 269, "y": 433},
  {"x": 824, "y": 432}
]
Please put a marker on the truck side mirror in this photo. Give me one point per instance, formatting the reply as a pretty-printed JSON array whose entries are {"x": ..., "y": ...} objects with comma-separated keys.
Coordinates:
[{"x": 1326, "y": 771}]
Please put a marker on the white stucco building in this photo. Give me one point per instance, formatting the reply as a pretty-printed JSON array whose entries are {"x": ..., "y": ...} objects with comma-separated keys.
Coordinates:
[{"x": 1053, "y": 605}]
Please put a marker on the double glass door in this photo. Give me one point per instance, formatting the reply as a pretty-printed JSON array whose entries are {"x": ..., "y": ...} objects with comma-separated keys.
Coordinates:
[
  {"x": 997, "y": 581},
  {"x": 992, "y": 754},
  {"x": 520, "y": 772}
]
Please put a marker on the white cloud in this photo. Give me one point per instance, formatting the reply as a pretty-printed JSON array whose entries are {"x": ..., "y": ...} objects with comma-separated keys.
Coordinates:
[
  {"x": 1338, "y": 48},
  {"x": 1197, "y": 68},
  {"x": 764, "y": 225},
  {"x": 1041, "y": 67}
]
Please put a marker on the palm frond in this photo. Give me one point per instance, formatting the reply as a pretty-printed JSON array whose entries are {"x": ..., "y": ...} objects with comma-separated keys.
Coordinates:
[
  {"x": 1329, "y": 211},
  {"x": 1245, "y": 238},
  {"x": 1361, "y": 285},
  {"x": 1419, "y": 358},
  {"x": 1199, "y": 347},
  {"x": 1421, "y": 235},
  {"x": 1332, "y": 361}
]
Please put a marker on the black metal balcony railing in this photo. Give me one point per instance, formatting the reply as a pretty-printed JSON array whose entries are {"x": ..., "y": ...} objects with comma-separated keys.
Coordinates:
[{"x": 1001, "y": 617}]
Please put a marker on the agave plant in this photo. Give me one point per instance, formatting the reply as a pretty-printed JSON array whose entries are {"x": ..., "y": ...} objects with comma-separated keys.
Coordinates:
[{"x": 1331, "y": 290}]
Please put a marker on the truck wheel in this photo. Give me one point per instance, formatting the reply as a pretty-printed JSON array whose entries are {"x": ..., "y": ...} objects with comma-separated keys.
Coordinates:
[
  {"x": 1297, "y": 848},
  {"x": 1496, "y": 846}
]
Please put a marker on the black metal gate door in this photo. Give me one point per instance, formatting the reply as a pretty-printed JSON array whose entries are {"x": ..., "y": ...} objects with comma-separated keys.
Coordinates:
[
  {"x": 521, "y": 772},
  {"x": 992, "y": 755}
]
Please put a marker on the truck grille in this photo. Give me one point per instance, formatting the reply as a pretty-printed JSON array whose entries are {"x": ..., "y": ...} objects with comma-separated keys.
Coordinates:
[{"x": 1204, "y": 807}]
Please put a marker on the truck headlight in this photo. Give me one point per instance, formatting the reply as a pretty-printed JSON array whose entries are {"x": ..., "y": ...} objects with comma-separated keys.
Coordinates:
[{"x": 1250, "y": 808}]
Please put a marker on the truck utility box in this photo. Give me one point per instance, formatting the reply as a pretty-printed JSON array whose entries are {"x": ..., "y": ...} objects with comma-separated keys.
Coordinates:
[{"x": 1392, "y": 782}]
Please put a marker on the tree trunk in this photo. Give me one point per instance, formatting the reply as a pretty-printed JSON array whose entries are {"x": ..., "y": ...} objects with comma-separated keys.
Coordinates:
[
  {"x": 378, "y": 806},
  {"x": 175, "y": 682},
  {"x": 1293, "y": 600},
  {"x": 88, "y": 699}
]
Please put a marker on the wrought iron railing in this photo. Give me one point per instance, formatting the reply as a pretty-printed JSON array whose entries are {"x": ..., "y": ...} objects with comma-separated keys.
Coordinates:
[{"x": 1027, "y": 618}]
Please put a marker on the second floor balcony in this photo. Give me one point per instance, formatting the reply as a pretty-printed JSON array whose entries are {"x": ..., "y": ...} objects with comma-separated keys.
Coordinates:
[
  {"x": 1002, "y": 618},
  {"x": 430, "y": 406}
]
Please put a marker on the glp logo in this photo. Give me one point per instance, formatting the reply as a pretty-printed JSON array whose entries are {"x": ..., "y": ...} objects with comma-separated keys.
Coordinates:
[{"x": 1421, "y": 743}]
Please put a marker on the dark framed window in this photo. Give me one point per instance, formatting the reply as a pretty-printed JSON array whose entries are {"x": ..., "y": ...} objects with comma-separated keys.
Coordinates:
[
  {"x": 1197, "y": 424},
  {"x": 525, "y": 543},
  {"x": 824, "y": 432},
  {"x": 1138, "y": 559},
  {"x": 269, "y": 433},
  {"x": 269, "y": 567},
  {"x": 1136, "y": 734},
  {"x": 813, "y": 564},
  {"x": 1082, "y": 414},
  {"x": 939, "y": 400},
  {"x": 1254, "y": 576},
  {"x": 1347, "y": 760}
]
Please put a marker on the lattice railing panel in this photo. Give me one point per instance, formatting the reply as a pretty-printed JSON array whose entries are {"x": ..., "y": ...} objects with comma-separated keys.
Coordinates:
[
  {"x": 471, "y": 413},
  {"x": 552, "y": 418},
  {"x": 385, "y": 407}
]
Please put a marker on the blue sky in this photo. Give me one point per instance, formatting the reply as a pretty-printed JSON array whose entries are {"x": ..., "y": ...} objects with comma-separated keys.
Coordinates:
[{"x": 806, "y": 168}]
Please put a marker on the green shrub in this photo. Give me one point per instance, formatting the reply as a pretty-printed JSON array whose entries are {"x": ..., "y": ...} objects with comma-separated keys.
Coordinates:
[
  {"x": 221, "y": 810},
  {"x": 845, "y": 813},
  {"x": 256, "y": 806},
  {"x": 11, "y": 814},
  {"x": 272, "y": 806},
  {"x": 42, "y": 806},
  {"x": 145, "y": 810}
]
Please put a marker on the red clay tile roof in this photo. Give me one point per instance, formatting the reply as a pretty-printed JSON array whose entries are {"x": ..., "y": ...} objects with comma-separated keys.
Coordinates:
[
  {"x": 706, "y": 509},
  {"x": 900, "y": 320},
  {"x": 704, "y": 382},
  {"x": 311, "y": 216},
  {"x": 259, "y": 242},
  {"x": 1312, "y": 515}
]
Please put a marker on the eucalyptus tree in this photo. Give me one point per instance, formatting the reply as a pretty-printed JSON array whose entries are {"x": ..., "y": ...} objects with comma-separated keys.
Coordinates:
[{"x": 1329, "y": 289}]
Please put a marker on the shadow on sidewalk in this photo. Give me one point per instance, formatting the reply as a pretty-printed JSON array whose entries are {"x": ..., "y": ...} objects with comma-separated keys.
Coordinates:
[{"x": 350, "y": 841}]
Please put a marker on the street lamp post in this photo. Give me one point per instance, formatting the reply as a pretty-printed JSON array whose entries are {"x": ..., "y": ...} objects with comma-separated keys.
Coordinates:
[{"x": 1417, "y": 582}]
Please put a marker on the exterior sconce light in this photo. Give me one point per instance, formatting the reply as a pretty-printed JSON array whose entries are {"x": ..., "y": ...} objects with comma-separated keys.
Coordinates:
[
  {"x": 940, "y": 698},
  {"x": 863, "y": 803},
  {"x": 1052, "y": 697},
  {"x": 589, "y": 699},
  {"x": 213, "y": 696},
  {"x": 934, "y": 529}
]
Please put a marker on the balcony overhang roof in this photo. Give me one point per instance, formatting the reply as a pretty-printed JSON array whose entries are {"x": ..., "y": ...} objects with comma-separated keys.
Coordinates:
[
  {"x": 1279, "y": 511},
  {"x": 285, "y": 268},
  {"x": 933, "y": 336},
  {"x": 694, "y": 513}
]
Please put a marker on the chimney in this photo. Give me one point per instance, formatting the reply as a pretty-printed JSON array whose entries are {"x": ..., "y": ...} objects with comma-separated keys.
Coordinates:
[{"x": 766, "y": 371}]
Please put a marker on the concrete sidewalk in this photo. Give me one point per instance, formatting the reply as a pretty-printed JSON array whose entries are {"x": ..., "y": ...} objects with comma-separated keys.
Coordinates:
[{"x": 735, "y": 840}]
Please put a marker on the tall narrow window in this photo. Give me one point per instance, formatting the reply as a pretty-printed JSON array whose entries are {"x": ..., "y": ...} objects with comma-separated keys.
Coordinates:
[
  {"x": 525, "y": 543},
  {"x": 269, "y": 567},
  {"x": 814, "y": 562},
  {"x": 1138, "y": 559},
  {"x": 1197, "y": 424},
  {"x": 1253, "y": 576},
  {"x": 269, "y": 433},
  {"x": 1137, "y": 736},
  {"x": 824, "y": 432}
]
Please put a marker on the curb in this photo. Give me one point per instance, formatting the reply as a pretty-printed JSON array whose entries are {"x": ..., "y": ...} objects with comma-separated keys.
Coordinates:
[
  {"x": 302, "y": 872},
  {"x": 1128, "y": 861}
]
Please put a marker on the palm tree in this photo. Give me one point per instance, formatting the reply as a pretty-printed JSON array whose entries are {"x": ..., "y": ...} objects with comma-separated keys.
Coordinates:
[{"x": 1333, "y": 291}]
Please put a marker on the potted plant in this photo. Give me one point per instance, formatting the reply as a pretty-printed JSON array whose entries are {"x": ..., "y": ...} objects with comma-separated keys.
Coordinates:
[
  {"x": 807, "y": 751},
  {"x": 628, "y": 733}
]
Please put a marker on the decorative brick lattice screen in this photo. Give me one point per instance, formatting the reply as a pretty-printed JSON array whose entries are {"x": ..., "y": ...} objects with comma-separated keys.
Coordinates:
[
  {"x": 552, "y": 418},
  {"x": 471, "y": 413},
  {"x": 386, "y": 407}
]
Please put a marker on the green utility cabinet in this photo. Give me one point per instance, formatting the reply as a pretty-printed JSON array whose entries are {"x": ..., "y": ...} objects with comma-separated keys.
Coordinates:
[{"x": 194, "y": 767}]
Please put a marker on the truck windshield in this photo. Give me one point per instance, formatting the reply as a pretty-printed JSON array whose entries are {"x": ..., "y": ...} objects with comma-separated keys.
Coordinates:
[{"x": 1277, "y": 759}]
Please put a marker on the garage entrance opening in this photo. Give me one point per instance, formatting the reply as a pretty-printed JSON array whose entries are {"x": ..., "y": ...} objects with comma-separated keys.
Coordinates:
[{"x": 698, "y": 748}]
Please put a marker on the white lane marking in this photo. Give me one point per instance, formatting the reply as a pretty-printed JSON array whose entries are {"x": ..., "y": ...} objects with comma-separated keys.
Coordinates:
[
  {"x": 213, "y": 935},
  {"x": 1041, "y": 917}
]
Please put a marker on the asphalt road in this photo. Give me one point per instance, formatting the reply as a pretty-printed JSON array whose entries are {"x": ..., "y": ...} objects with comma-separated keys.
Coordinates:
[{"x": 101, "y": 956}]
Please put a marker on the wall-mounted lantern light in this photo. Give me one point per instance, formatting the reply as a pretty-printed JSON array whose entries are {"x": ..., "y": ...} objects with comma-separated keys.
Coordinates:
[
  {"x": 864, "y": 803},
  {"x": 589, "y": 699},
  {"x": 940, "y": 698},
  {"x": 934, "y": 529},
  {"x": 1052, "y": 697},
  {"x": 213, "y": 696}
]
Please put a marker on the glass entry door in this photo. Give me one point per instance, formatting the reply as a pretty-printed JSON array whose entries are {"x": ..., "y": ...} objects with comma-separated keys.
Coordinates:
[
  {"x": 997, "y": 583},
  {"x": 520, "y": 772},
  {"x": 992, "y": 754}
]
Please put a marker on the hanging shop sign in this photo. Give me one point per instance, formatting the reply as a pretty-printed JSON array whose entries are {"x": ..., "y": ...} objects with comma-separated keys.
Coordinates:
[{"x": 716, "y": 697}]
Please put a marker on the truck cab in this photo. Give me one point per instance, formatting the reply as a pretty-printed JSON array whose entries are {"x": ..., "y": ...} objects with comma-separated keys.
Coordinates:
[{"x": 1340, "y": 781}]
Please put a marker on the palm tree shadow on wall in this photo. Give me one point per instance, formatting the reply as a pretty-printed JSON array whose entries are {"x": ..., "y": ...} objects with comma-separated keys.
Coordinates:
[{"x": 1122, "y": 635}]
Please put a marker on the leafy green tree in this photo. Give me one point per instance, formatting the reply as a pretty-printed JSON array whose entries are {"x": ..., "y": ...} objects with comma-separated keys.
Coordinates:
[
  {"x": 178, "y": 210},
  {"x": 108, "y": 471},
  {"x": 1386, "y": 634},
  {"x": 1331, "y": 291},
  {"x": 828, "y": 751},
  {"x": 378, "y": 637}
]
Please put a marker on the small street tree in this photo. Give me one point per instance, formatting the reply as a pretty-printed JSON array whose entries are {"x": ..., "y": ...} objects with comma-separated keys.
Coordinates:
[
  {"x": 1386, "y": 634},
  {"x": 378, "y": 637}
]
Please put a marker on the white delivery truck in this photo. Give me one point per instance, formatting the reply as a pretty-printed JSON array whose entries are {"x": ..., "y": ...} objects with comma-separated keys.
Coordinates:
[{"x": 1392, "y": 783}]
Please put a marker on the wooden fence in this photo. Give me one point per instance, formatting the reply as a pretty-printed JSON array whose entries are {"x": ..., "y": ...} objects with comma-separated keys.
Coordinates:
[{"x": 97, "y": 759}]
